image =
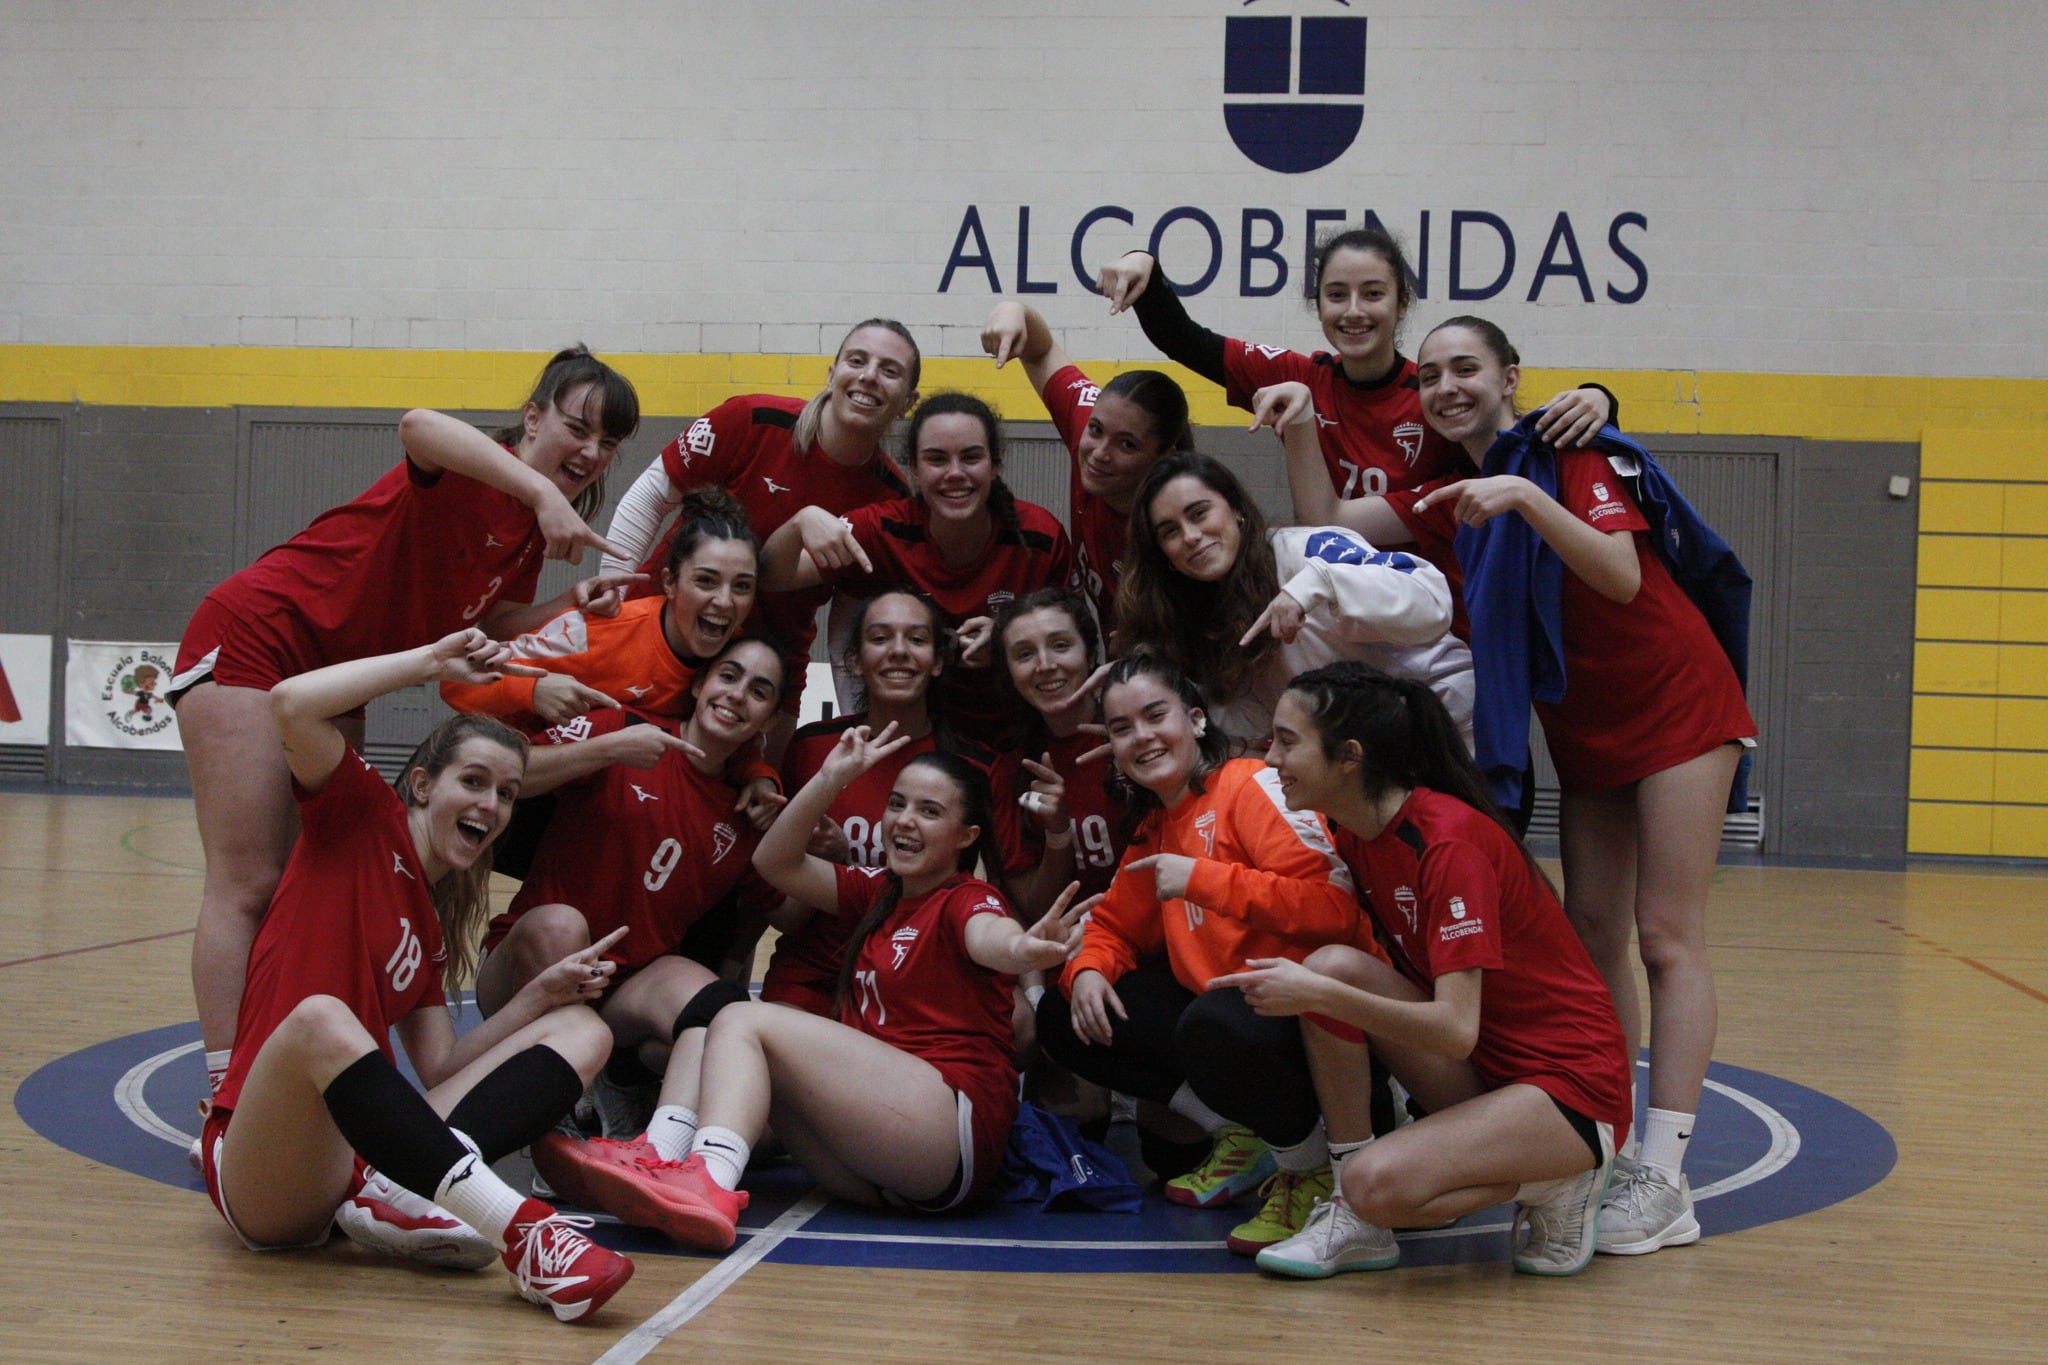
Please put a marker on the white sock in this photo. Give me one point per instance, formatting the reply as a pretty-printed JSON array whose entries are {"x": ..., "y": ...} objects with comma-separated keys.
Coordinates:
[
  {"x": 1339, "y": 1151},
  {"x": 217, "y": 1069},
  {"x": 671, "y": 1129},
  {"x": 725, "y": 1155},
  {"x": 1310, "y": 1154},
  {"x": 1665, "y": 1137},
  {"x": 473, "y": 1192},
  {"x": 1188, "y": 1107},
  {"x": 1633, "y": 1148}
]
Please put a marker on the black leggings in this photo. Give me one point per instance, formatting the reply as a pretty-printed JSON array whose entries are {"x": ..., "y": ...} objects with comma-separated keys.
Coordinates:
[{"x": 1251, "y": 1070}]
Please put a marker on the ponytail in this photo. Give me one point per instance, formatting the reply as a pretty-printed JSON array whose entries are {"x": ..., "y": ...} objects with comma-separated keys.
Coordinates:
[{"x": 1406, "y": 736}]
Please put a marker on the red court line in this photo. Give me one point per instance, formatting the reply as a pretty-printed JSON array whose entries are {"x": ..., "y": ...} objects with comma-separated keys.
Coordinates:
[
  {"x": 2022, "y": 987},
  {"x": 117, "y": 943}
]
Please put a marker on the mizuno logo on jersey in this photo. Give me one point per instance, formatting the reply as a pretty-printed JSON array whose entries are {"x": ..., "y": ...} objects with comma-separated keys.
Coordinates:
[
  {"x": 639, "y": 692},
  {"x": 723, "y": 837},
  {"x": 1408, "y": 436},
  {"x": 642, "y": 792},
  {"x": 491, "y": 542},
  {"x": 774, "y": 487},
  {"x": 901, "y": 942},
  {"x": 1205, "y": 825},
  {"x": 1323, "y": 421},
  {"x": 398, "y": 866}
]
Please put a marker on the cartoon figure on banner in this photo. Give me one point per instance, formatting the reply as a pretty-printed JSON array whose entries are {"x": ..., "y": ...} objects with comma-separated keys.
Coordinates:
[
  {"x": 137, "y": 676},
  {"x": 141, "y": 684}
]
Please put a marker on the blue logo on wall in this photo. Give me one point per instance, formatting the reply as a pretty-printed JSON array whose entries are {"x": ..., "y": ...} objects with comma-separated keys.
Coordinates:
[{"x": 1291, "y": 116}]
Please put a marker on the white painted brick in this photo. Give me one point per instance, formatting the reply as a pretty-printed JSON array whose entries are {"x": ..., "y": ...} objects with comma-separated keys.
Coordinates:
[{"x": 775, "y": 173}]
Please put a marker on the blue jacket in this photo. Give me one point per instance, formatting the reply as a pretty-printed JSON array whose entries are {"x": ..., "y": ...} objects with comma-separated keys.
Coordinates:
[{"x": 1514, "y": 591}]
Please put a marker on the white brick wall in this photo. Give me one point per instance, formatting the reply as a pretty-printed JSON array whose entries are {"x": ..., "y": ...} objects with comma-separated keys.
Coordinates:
[{"x": 1830, "y": 187}]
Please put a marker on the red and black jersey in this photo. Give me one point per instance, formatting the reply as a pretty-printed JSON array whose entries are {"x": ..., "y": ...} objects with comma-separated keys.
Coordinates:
[
  {"x": 916, "y": 989},
  {"x": 352, "y": 917},
  {"x": 1099, "y": 530},
  {"x": 858, "y": 808},
  {"x": 1451, "y": 891},
  {"x": 417, "y": 555},
  {"x": 1016, "y": 561},
  {"x": 1092, "y": 804},
  {"x": 654, "y": 849},
  {"x": 1373, "y": 437},
  {"x": 1647, "y": 686},
  {"x": 745, "y": 445}
]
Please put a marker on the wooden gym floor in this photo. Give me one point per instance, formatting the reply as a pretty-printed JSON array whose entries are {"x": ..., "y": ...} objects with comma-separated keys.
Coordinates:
[{"x": 1917, "y": 997}]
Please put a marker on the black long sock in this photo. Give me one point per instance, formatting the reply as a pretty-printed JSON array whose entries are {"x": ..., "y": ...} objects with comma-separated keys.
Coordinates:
[
  {"x": 391, "y": 1125},
  {"x": 517, "y": 1102}
]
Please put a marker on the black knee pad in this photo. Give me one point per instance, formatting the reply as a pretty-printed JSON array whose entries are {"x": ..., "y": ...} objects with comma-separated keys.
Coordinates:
[{"x": 705, "y": 1005}]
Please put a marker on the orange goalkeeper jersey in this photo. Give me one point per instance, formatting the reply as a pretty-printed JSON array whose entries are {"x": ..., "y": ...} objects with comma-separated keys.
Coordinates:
[{"x": 1267, "y": 883}]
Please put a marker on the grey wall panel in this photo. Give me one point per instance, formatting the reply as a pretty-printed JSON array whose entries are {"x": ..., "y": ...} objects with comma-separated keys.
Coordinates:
[
  {"x": 150, "y": 497},
  {"x": 31, "y": 460},
  {"x": 1849, "y": 638}
]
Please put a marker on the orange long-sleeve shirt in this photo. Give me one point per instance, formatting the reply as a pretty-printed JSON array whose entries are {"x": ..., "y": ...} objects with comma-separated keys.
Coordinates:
[
  {"x": 626, "y": 657},
  {"x": 1267, "y": 883}
]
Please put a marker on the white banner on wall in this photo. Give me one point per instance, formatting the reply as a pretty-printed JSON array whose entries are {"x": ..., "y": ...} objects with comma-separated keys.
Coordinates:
[
  {"x": 114, "y": 696},
  {"x": 24, "y": 689}
]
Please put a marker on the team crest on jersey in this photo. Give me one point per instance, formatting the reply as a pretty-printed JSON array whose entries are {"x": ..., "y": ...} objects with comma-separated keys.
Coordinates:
[
  {"x": 1404, "y": 901},
  {"x": 572, "y": 731},
  {"x": 1294, "y": 104},
  {"x": 1000, "y": 596},
  {"x": 1457, "y": 907},
  {"x": 1205, "y": 825},
  {"x": 1600, "y": 491},
  {"x": 723, "y": 837},
  {"x": 1408, "y": 436},
  {"x": 901, "y": 942},
  {"x": 698, "y": 440}
]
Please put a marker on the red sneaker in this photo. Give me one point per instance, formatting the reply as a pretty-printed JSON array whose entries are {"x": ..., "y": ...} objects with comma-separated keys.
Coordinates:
[
  {"x": 675, "y": 1197},
  {"x": 553, "y": 1263},
  {"x": 566, "y": 1162}
]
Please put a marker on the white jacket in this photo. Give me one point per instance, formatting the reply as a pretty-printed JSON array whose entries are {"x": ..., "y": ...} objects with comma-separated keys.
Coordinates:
[{"x": 1385, "y": 608}]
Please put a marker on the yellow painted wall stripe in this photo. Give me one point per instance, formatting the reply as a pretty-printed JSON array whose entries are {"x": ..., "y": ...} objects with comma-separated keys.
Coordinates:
[{"x": 1827, "y": 407}]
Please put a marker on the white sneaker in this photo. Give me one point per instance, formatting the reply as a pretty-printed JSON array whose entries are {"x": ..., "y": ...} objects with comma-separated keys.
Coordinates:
[
  {"x": 1644, "y": 1211},
  {"x": 1332, "y": 1241},
  {"x": 1555, "y": 1236},
  {"x": 393, "y": 1221}
]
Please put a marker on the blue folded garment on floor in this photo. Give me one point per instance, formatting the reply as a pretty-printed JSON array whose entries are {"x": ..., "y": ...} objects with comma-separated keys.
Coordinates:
[{"x": 1049, "y": 1162}]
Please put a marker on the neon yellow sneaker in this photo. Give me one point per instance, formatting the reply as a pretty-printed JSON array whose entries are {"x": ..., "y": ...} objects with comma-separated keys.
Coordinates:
[
  {"x": 1290, "y": 1196},
  {"x": 1237, "y": 1162}
]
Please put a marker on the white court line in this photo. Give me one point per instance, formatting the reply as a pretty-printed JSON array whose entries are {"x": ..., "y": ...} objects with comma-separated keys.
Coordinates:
[
  {"x": 694, "y": 1300},
  {"x": 128, "y": 1097},
  {"x": 1784, "y": 1145}
]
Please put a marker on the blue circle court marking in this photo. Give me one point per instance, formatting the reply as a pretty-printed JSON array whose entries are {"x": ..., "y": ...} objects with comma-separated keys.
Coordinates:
[{"x": 1768, "y": 1149}]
